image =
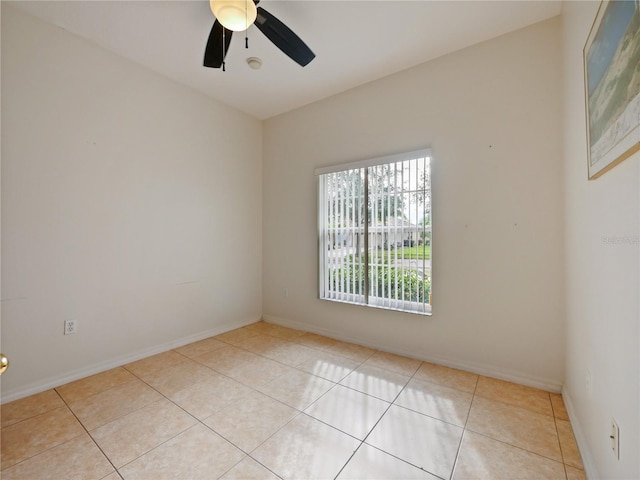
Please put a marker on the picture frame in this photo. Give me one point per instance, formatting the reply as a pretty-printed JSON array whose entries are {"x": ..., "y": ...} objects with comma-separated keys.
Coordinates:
[{"x": 611, "y": 59}]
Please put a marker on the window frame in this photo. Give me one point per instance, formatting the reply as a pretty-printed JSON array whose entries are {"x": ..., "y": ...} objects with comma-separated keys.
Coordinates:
[{"x": 324, "y": 267}]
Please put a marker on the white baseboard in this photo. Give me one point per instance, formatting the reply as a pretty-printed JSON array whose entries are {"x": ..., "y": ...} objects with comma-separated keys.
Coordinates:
[
  {"x": 491, "y": 371},
  {"x": 585, "y": 453},
  {"x": 56, "y": 381},
  {"x": 480, "y": 369}
]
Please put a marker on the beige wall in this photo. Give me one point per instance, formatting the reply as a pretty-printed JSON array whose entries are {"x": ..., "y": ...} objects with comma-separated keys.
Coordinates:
[
  {"x": 492, "y": 115},
  {"x": 119, "y": 189},
  {"x": 117, "y": 182},
  {"x": 603, "y": 287}
]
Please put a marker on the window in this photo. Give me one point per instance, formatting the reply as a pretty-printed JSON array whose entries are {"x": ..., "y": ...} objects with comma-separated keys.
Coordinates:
[{"x": 374, "y": 221}]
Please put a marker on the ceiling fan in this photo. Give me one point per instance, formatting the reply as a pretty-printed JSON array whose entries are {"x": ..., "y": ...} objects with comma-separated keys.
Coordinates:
[{"x": 239, "y": 15}]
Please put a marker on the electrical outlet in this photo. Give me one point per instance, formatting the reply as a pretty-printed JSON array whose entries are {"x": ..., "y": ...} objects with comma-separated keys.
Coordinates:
[
  {"x": 588, "y": 383},
  {"x": 70, "y": 327},
  {"x": 285, "y": 292},
  {"x": 614, "y": 437}
]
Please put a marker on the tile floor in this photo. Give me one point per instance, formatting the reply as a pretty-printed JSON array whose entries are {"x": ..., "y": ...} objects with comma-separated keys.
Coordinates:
[{"x": 268, "y": 402}]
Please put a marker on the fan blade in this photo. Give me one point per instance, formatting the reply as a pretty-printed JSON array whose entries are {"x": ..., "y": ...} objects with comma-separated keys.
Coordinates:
[
  {"x": 283, "y": 38},
  {"x": 213, "y": 53}
]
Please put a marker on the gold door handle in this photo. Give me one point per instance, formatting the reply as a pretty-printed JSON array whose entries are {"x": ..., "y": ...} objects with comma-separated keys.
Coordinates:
[{"x": 4, "y": 363}]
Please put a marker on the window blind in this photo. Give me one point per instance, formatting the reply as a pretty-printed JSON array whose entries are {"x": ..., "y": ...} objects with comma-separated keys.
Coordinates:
[{"x": 374, "y": 222}]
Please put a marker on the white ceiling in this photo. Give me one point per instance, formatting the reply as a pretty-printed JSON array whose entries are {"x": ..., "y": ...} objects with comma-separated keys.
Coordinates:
[{"x": 355, "y": 42}]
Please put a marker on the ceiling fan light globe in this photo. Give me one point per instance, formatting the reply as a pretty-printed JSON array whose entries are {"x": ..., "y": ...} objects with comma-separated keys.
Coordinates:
[{"x": 236, "y": 15}]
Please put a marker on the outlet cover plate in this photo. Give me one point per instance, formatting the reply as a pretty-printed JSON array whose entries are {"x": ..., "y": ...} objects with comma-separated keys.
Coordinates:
[
  {"x": 614, "y": 436},
  {"x": 70, "y": 327}
]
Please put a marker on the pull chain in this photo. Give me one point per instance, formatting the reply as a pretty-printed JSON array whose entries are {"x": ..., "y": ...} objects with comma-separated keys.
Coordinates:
[
  {"x": 224, "y": 69},
  {"x": 246, "y": 23}
]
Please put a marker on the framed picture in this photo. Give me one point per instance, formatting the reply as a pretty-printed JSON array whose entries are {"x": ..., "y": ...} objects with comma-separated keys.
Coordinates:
[{"x": 612, "y": 85}]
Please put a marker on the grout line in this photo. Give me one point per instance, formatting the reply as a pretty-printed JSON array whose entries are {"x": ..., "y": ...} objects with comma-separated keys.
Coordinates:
[
  {"x": 457, "y": 458},
  {"x": 464, "y": 429},
  {"x": 26, "y": 419},
  {"x": 516, "y": 446},
  {"x": 362, "y": 362},
  {"x": 393, "y": 403},
  {"x": 555, "y": 424},
  {"x": 299, "y": 412},
  {"x": 65, "y": 406},
  {"x": 88, "y": 434},
  {"x": 349, "y": 459},
  {"x": 198, "y": 421},
  {"x": 247, "y": 454}
]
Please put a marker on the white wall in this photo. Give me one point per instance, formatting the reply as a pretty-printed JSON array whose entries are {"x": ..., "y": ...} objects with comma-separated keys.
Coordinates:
[
  {"x": 492, "y": 115},
  {"x": 603, "y": 259},
  {"x": 129, "y": 204}
]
